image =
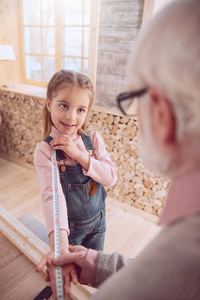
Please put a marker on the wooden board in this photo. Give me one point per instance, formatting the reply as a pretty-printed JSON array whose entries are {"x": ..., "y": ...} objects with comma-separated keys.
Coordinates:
[
  {"x": 18, "y": 277},
  {"x": 33, "y": 247}
]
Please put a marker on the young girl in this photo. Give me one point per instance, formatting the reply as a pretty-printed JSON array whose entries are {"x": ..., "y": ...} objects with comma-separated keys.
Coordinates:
[{"x": 84, "y": 165}]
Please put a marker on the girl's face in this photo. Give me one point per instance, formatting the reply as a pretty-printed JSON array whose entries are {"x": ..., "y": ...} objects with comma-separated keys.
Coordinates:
[{"x": 69, "y": 109}]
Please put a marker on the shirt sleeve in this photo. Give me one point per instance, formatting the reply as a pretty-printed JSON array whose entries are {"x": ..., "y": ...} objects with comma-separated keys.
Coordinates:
[
  {"x": 88, "y": 270},
  {"x": 107, "y": 265},
  {"x": 101, "y": 169},
  {"x": 99, "y": 266},
  {"x": 43, "y": 164}
]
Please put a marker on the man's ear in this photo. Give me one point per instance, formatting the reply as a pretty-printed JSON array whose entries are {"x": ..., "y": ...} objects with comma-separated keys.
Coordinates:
[
  {"x": 163, "y": 121},
  {"x": 48, "y": 105}
]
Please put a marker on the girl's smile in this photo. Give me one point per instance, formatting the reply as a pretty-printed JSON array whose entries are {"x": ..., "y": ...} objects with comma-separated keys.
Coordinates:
[
  {"x": 67, "y": 126},
  {"x": 69, "y": 108}
]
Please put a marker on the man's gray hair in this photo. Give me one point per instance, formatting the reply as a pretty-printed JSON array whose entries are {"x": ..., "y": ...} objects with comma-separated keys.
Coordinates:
[{"x": 167, "y": 56}]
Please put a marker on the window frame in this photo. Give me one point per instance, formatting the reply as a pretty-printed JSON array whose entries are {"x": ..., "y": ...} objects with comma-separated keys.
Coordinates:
[{"x": 93, "y": 42}]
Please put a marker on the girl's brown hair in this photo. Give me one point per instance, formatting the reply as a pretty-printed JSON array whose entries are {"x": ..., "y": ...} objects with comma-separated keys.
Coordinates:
[{"x": 57, "y": 82}]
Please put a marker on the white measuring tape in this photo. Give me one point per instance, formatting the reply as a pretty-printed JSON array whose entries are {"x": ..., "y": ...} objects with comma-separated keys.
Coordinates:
[{"x": 58, "y": 270}]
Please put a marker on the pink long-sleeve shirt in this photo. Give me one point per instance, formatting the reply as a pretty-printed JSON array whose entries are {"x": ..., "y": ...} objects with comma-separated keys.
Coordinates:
[{"x": 101, "y": 169}]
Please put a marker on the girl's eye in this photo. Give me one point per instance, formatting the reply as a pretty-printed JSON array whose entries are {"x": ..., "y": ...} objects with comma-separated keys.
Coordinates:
[
  {"x": 63, "y": 106},
  {"x": 81, "y": 110}
]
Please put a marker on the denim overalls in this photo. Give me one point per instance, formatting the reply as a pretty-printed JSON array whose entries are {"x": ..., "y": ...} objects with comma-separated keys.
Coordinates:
[{"x": 85, "y": 199}]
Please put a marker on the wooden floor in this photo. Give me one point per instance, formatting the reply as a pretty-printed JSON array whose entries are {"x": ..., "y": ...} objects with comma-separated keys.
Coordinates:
[{"x": 128, "y": 229}]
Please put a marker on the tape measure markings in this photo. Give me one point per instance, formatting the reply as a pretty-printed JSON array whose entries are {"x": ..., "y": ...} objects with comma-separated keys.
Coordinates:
[{"x": 58, "y": 270}]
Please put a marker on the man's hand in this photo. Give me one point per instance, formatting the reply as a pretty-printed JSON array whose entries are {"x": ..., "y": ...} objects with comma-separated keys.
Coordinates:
[
  {"x": 77, "y": 256},
  {"x": 69, "y": 273}
]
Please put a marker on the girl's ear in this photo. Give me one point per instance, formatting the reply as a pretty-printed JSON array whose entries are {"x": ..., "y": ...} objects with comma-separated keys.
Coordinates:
[
  {"x": 163, "y": 120},
  {"x": 48, "y": 105}
]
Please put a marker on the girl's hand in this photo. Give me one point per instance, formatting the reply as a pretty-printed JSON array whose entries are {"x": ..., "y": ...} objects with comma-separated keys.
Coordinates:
[
  {"x": 67, "y": 145},
  {"x": 69, "y": 273}
]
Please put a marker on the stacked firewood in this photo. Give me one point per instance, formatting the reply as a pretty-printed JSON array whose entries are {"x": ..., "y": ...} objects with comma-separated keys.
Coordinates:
[{"x": 136, "y": 185}]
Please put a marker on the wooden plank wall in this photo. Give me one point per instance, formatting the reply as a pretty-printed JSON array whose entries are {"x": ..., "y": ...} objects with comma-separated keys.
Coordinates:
[{"x": 119, "y": 24}]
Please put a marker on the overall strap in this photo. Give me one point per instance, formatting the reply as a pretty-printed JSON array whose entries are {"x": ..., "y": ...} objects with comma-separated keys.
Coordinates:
[
  {"x": 48, "y": 139},
  {"x": 59, "y": 153},
  {"x": 88, "y": 142}
]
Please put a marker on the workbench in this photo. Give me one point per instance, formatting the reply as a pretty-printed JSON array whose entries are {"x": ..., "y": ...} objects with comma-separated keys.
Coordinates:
[
  {"x": 20, "y": 251},
  {"x": 18, "y": 278}
]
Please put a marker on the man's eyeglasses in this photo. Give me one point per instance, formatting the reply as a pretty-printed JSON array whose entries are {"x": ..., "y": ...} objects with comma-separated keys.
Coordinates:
[{"x": 128, "y": 102}]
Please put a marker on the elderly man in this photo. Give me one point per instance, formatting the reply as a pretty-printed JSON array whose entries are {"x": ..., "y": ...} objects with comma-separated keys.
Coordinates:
[{"x": 165, "y": 77}]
